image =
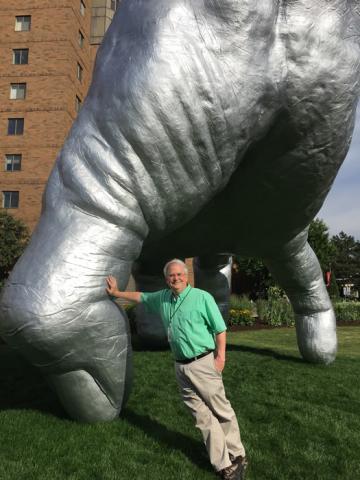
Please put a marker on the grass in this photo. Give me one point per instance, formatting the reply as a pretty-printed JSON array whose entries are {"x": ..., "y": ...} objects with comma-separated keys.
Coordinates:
[{"x": 297, "y": 420}]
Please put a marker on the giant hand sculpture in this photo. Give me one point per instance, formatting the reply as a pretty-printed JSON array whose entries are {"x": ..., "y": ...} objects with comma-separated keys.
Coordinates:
[{"x": 210, "y": 126}]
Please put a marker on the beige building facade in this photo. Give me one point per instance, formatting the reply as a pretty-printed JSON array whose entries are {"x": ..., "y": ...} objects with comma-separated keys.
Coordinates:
[{"x": 47, "y": 50}]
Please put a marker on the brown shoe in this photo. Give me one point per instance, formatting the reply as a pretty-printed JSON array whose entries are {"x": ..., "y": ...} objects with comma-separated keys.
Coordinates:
[
  {"x": 228, "y": 473},
  {"x": 239, "y": 465}
]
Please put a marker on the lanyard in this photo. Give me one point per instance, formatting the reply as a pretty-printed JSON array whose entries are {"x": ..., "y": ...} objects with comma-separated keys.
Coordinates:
[{"x": 177, "y": 306}]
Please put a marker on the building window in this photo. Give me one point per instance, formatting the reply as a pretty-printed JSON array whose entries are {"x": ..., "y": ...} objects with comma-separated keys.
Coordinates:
[
  {"x": 113, "y": 4},
  {"x": 12, "y": 162},
  {"x": 79, "y": 72},
  {"x": 81, "y": 39},
  {"x": 17, "y": 91},
  {"x": 82, "y": 8},
  {"x": 10, "y": 199},
  {"x": 77, "y": 103},
  {"x": 20, "y": 56},
  {"x": 22, "y": 23},
  {"x": 15, "y": 126}
]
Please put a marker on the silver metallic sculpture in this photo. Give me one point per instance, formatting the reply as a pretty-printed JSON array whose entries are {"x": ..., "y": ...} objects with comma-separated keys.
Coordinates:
[{"x": 210, "y": 126}]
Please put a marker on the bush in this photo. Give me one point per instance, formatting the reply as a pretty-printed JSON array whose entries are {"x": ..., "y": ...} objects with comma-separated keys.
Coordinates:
[
  {"x": 275, "y": 293},
  {"x": 241, "y": 317},
  {"x": 281, "y": 313},
  {"x": 242, "y": 311},
  {"x": 241, "y": 302},
  {"x": 347, "y": 311},
  {"x": 277, "y": 310},
  {"x": 262, "y": 308}
]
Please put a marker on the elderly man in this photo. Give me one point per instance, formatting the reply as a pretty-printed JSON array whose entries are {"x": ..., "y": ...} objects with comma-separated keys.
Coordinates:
[{"x": 197, "y": 337}]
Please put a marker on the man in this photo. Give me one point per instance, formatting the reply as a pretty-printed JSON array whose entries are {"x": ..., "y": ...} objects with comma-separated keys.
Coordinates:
[{"x": 197, "y": 337}]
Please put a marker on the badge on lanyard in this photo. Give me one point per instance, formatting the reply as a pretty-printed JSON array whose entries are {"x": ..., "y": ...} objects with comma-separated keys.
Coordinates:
[
  {"x": 169, "y": 334},
  {"x": 175, "y": 309}
]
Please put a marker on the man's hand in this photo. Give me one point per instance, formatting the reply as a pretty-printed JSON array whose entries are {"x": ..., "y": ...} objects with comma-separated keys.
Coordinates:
[
  {"x": 112, "y": 289},
  {"x": 219, "y": 363},
  {"x": 112, "y": 286},
  {"x": 219, "y": 358}
]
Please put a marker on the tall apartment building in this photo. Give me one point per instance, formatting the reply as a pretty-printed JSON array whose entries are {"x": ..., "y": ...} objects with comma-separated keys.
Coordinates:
[{"x": 47, "y": 49}]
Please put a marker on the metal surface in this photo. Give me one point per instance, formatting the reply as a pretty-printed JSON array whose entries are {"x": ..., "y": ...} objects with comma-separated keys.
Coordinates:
[
  {"x": 213, "y": 274},
  {"x": 149, "y": 327},
  {"x": 210, "y": 126}
]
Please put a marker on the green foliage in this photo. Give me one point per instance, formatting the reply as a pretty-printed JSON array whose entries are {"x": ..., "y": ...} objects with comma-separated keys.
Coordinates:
[
  {"x": 242, "y": 311},
  {"x": 333, "y": 288},
  {"x": 347, "y": 260},
  {"x": 320, "y": 242},
  {"x": 14, "y": 236},
  {"x": 251, "y": 276},
  {"x": 276, "y": 311},
  {"x": 275, "y": 293},
  {"x": 240, "y": 302},
  {"x": 262, "y": 309},
  {"x": 347, "y": 311},
  {"x": 241, "y": 317}
]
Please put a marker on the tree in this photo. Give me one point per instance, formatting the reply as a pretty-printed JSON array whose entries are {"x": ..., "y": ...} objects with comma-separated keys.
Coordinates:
[
  {"x": 14, "y": 236},
  {"x": 251, "y": 276},
  {"x": 321, "y": 243},
  {"x": 333, "y": 288},
  {"x": 347, "y": 260}
]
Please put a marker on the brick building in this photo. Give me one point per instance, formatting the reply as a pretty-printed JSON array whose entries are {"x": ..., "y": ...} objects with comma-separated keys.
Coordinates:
[{"x": 47, "y": 50}]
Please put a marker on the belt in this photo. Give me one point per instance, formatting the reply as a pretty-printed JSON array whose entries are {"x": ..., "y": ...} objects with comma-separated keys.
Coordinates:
[{"x": 189, "y": 360}]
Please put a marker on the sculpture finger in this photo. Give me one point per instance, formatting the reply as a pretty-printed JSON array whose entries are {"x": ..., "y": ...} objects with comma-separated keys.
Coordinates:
[
  {"x": 297, "y": 270},
  {"x": 55, "y": 311}
]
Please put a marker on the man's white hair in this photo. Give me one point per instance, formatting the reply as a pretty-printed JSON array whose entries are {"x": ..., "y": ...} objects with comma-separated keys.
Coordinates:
[{"x": 175, "y": 260}]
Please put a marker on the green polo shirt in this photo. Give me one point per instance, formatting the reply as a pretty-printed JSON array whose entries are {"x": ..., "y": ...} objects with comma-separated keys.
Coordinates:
[{"x": 191, "y": 319}]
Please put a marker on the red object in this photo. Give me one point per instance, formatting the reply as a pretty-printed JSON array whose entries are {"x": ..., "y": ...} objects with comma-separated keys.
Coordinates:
[{"x": 327, "y": 278}]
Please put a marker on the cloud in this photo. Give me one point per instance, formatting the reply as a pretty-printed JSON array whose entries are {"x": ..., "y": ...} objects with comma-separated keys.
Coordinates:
[{"x": 341, "y": 210}]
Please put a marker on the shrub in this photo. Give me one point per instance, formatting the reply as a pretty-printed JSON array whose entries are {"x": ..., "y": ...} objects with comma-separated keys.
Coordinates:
[
  {"x": 242, "y": 311},
  {"x": 240, "y": 317},
  {"x": 347, "y": 311},
  {"x": 277, "y": 310},
  {"x": 281, "y": 313},
  {"x": 241, "y": 302},
  {"x": 275, "y": 293},
  {"x": 262, "y": 308}
]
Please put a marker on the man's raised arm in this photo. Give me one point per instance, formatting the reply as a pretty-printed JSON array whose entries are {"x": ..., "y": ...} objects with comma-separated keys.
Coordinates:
[{"x": 112, "y": 289}]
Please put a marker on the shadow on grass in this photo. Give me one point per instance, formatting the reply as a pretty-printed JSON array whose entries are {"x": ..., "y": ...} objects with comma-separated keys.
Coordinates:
[
  {"x": 139, "y": 346},
  {"x": 23, "y": 387},
  {"x": 191, "y": 448},
  {"x": 264, "y": 352}
]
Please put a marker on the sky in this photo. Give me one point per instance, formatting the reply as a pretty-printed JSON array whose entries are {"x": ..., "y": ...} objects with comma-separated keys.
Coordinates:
[{"x": 341, "y": 209}]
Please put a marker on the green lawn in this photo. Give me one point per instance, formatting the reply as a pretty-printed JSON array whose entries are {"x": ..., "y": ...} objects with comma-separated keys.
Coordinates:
[{"x": 298, "y": 421}]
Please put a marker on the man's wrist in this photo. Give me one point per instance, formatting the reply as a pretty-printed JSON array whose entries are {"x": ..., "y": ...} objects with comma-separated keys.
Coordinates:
[{"x": 114, "y": 294}]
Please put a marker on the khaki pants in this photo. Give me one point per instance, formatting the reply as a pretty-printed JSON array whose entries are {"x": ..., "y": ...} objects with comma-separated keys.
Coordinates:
[{"x": 202, "y": 390}]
